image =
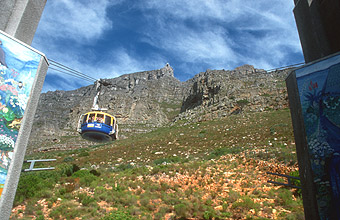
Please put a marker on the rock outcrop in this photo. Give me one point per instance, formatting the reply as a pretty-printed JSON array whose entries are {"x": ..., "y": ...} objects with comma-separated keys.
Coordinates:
[{"x": 219, "y": 93}]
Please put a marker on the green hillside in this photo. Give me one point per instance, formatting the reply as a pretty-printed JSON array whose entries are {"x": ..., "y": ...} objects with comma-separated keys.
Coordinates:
[{"x": 206, "y": 170}]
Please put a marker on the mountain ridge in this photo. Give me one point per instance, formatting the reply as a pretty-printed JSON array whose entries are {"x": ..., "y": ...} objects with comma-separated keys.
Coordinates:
[{"x": 145, "y": 100}]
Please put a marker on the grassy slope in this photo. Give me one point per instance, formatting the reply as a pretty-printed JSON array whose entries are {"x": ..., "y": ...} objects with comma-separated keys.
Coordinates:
[{"x": 211, "y": 169}]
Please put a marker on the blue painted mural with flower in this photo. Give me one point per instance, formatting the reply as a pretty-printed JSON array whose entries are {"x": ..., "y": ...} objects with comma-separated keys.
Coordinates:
[
  {"x": 320, "y": 100},
  {"x": 18, "y": 67}
]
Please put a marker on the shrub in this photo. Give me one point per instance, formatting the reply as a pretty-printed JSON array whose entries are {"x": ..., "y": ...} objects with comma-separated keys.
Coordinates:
[
  {"x": 82, "y": 173},
  {"x": 128, "y": 199},
  {"x": 145, "y": 200},
  {"x": 62, "y": 191},
  {"x": 284, "y": 197},
  {"x": 225, "y": 215},
  {"x": 40, "y": 217},
  {"x": 242, "y": 102},
  {"x": 31, "y": 184},
  {"x": 162, "y": 211},
  {"x": 95, "y": 172},
  {"x": 85, "y": 199},
  {"x": 44, "y": 193},
  {"x": 182, "y": 210},
  {"x": 75, "y": 168},
  {"x": 246, "y": 203},
  {"x": 296, "y": 182},
  {"x": 66, "y": 210},
  {"x": 202, "y": 133},
  {"x": 118, "y": 188},
  {"x": 209, "y": 213},
  {"x": 119, "y": 215},
  {"x": 65, "y": 169},
  {"x": 216, "y": 153},
  {"x": 50, "y": 176},
  {"x": 31, "y": 208},
  {"x": 166, "y": 160},
  {"x": 68, "y": 159},
  {"x": 84, "y": 154},
  {"x": 86, "y": 178},
  {"x": 123, "y": 167}
]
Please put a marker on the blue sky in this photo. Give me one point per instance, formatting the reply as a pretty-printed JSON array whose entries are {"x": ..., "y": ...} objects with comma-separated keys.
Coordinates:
[{"x": 108, "y": 38}]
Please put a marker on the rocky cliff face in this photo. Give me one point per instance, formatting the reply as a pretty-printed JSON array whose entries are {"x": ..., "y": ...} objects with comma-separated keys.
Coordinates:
[
  {"x": 219, "y": 93},
  {"x": 145, "y": 100}
]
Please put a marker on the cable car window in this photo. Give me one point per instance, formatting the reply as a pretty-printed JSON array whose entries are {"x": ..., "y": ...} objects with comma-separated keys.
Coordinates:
[
  {"x": 91, "y": 118},
  {"x": 108, "y": 120},
  {"x": 100, "y": 118},
  {"x": 84, "y": 118}
]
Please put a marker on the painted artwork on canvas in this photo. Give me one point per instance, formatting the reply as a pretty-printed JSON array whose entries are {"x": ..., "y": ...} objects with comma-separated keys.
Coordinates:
[
  {"x": 319, "y": 90},
  {"x": 18, "y": 67}
]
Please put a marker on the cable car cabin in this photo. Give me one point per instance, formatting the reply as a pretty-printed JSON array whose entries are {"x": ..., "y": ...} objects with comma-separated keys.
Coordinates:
[{"x": 98, "y": 127}]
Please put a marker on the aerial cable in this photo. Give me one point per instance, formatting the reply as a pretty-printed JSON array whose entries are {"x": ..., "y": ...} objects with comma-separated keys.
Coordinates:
[
  {"x": 71, "y": 74},
  {"x": 59, "y": 65},
  {"x": 283, "y": 67},
  {"x": 75, "y": 72}
]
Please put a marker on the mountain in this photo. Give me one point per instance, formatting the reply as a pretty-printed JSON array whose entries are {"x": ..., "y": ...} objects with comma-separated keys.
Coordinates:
[{"x": 145, "y": 100}]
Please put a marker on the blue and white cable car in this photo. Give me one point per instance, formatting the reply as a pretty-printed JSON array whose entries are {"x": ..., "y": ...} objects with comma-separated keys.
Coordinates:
[{"x": 97, "y": 125}]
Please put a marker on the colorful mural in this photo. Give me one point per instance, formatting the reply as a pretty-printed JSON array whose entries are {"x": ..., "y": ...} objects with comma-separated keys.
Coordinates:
[
  {"x": 319, "y": 90},
  {"x": 18, "y": 67}
]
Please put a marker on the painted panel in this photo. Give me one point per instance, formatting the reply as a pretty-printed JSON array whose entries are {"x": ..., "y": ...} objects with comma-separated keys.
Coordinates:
[
  {"x": 319, "y": 91},
  {"x": 18, "y": 67}
]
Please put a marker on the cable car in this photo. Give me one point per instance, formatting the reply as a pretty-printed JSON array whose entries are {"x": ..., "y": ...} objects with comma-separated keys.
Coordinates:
[{"x": 98, "y": 126}]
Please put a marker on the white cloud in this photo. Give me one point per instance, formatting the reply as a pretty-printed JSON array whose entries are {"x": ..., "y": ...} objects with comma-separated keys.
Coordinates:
[
  {"x": 122, "y": 62},
  {"x": 196, "y": 34},
  {"x": 195, "y": 9},
  {"x": 76, "y": 20},
  {"x": 192, "y": 45},
  {"x": 223, "y": 32},
  {"x": 66, "y": 26}
]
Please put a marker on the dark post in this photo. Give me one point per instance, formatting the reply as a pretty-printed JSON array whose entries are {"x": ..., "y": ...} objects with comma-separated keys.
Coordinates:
[
  {"x": 318, "y": 23},
  {"x": 20, "y": 18},
  {"x": 305, "y": 170}
]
